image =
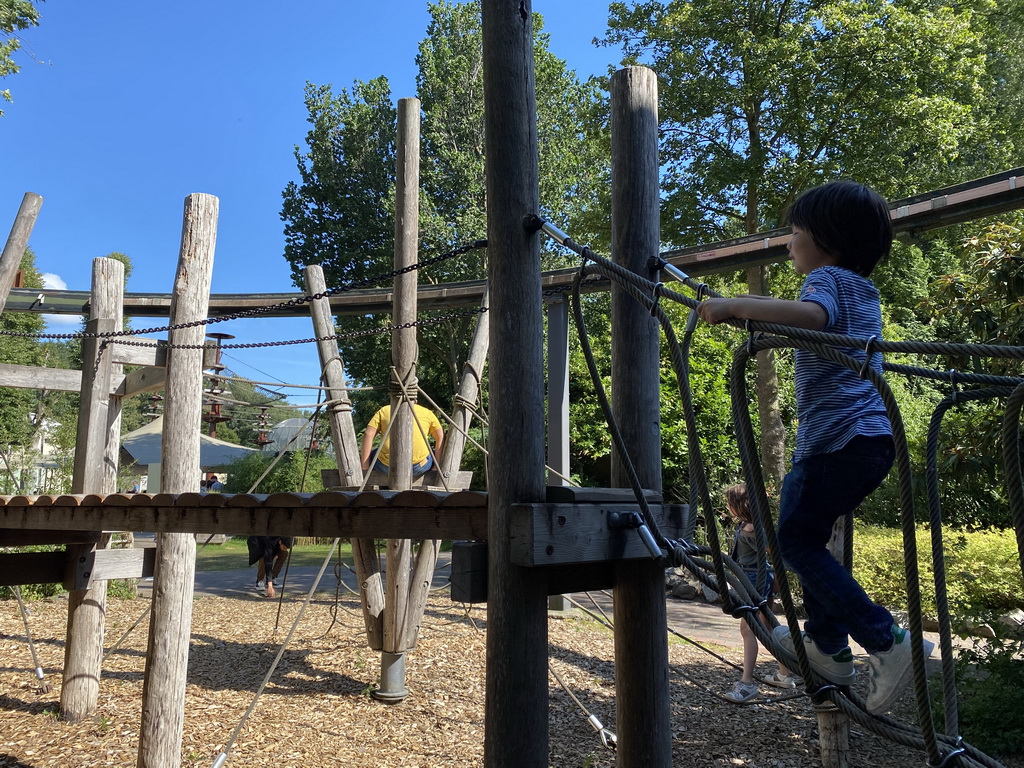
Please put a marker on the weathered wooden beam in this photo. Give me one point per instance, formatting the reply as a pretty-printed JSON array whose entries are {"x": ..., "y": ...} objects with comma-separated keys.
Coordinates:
[
  {"x": 642, "y": 692},
  {"x": 970, "y": 200},
  {"x": 142, "y": 380},
  {"x": 136, "y": 350},
  {"x": 26, "y": 538},
  {"x": 17, "y": 242},
  {"x": 96, "y": 460},
  {"x": 106, "y": 564},
  {"x": 20, "y": 568},
  {"x": 515, "y": 711},
  {"x": 469, "y": 574},
  {"x": 29, "y": 377},
  {"x": 374, "y": 515},
  {"x": 560, "y": 534},
  {"x": 163, "y": 690},
  {"x": 145, "y": 352}
]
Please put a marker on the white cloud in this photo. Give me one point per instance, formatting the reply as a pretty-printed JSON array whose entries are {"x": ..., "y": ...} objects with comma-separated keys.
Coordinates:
[{"x": 56, "y": 282}]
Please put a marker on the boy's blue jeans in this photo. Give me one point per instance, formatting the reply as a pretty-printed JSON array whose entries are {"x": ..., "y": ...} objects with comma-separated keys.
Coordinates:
[{"x": 817, "y": 491}]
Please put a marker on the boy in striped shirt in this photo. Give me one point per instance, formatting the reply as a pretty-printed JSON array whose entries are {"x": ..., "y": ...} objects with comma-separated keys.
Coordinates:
[{"x": 844, "y": 446}]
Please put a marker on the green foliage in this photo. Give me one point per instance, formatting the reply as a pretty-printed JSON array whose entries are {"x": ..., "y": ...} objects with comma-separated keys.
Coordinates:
[
  {"x": 760, "y": 101},
  {"x": 15, "y": 15},
  {"x": 340, "y": 215},
  {"x": 983, "y": 573},
  {"x": 292, "y": 474},
  {"x": 990, "y": 688}
]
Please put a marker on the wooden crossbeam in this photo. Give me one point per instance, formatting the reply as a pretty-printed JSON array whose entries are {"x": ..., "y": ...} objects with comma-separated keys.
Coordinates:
[
  {"x": 74, "y": 570},
  {"x": 563, "y": 534},
  {"x": 373, "y": 514},
  {"x": 971, "y": 200}
]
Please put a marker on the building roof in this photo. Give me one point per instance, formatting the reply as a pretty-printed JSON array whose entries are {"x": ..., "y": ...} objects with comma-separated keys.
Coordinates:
[{"x": 145, "y": 445}]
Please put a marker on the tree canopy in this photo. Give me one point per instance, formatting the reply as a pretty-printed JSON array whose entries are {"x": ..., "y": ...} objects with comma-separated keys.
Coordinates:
[
  {"x": 15, "y": 15},
  {"x": 340, "y": 213},
  {"x": 762, "y": 100}
]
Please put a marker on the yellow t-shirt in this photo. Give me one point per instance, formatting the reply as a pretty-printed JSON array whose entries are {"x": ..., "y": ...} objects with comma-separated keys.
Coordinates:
[{"x": 427, "y": 421}]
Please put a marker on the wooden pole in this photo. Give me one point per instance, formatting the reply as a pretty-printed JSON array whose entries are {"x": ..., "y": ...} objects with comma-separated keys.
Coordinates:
[
  {"x": 403, "y": 359},
  {"x": 343, "y": 437},
  {"x": 469, "y": 393},
  {"x": 516, "y": 712},
  {"x": 17, "y": 242},
  {"x": 95, "y": 471},
  {"x": 641, "y": 630},
  {"x": 558, "y": 407},
  {"x": 833, "y": 725},
  {"x": 163, "y": 690},
  {"x": 448, "y": 467}
]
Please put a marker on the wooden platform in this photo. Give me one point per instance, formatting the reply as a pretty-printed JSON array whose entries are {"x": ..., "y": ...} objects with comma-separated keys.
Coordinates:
[{"x": 414, "y": 514}]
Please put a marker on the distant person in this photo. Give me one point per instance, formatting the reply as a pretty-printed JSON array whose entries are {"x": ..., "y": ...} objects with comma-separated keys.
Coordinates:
[
  {"x": 270, "y": 553},
  {"x": 213, "y": 485},
  {"x": 745, "y": 551},
  {"x": 844, "y": 444},
  {"x": 202, "y": 485},
  {"x": 422, "y": 458}
]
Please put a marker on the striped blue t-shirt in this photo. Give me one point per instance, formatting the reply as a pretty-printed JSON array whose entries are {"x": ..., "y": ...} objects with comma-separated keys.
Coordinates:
[{"x": 834, "y": 404}]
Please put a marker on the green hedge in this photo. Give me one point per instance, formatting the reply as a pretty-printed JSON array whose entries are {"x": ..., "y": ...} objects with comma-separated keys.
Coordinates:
[{"x": 983, "y": 572}]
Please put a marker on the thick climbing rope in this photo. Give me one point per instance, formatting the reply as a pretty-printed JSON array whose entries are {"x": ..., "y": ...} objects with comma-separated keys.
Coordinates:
[{"x": 940, "y": 750}]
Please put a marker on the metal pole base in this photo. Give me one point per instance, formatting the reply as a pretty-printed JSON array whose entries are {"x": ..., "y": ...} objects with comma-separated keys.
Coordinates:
[{"x": 392, "y": 678}]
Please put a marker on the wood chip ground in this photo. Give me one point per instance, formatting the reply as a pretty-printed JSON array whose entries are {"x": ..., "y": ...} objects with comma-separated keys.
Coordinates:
[{"x": 317, "y": 709}]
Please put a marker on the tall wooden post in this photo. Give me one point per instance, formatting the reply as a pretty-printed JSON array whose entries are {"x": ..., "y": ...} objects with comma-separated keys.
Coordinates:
[
  {"x": 516, "y": 712},
  {"x": 641, "y": 644},
  {"x": 17, "y": 242},
  {"x": 343, "y": 436},
  {"x": 403, "y": 359},
  {"x": 163, "y": 691},
  {"x": 469, "y": 393},
  {"x": 833, "y": 725},
  {"x": 95, "y": 471},
  {"x": 558, "y": 406}
]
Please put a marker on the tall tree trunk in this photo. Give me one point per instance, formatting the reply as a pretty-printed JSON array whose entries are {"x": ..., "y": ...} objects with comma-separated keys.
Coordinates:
[{"x": 773, "y": 432}]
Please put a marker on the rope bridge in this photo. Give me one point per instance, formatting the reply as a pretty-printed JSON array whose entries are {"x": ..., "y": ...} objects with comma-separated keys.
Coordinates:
[{"x": 746, "y": 600}]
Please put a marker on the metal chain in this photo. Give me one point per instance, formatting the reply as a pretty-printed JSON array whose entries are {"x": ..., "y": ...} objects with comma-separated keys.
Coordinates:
[
  {"x": 373, "y": 279},
  {"x": 333, "y": 337}
]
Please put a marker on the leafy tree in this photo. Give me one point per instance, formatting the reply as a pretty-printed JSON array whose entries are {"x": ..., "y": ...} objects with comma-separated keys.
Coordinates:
[
  {"x": 292, "y": 474},
  {"x": 760, "y": 101},
  {"x": 14, "y": 15},
  {"x": 341, "y": 213}
]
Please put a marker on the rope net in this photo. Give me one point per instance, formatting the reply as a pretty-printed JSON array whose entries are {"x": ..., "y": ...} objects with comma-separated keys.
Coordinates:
[{"x": 745, "y": 599}]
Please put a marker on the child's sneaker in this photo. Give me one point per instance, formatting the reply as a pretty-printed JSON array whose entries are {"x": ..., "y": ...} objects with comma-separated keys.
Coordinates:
[
  {"x": 836, "y": 667},
  {"x": 890, "y": 670},
  {"x": 780, "y": 680},
  {"x": 742, "y": 692}
]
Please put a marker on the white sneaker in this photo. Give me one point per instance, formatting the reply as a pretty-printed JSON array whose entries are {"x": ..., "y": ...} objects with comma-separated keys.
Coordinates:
[
  {"x": 890, "y": 670},
  {"x": 836, "y": 667},
  {"x": 779, "y": 680},
  {"x": 742, "y": 692}
]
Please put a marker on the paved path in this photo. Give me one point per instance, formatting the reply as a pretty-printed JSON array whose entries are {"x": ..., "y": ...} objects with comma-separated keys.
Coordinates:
[{"x": 695, "y": 619}]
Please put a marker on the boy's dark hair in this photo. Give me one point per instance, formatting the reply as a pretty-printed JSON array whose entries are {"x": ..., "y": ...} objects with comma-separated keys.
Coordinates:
[{"x": 847, "y": 220}]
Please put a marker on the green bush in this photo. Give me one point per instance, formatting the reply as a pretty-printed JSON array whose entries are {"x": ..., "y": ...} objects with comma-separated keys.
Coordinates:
[
  {"x": 983, "y": 572},
  {"x": 990, "y": 694}
]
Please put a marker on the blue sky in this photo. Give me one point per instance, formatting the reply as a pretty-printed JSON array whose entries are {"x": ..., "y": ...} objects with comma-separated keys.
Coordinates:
[{"x": 122, "y": 109}]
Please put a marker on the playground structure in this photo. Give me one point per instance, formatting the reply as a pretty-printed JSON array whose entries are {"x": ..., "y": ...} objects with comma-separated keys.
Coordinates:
[{"x": 516, "y": 516}]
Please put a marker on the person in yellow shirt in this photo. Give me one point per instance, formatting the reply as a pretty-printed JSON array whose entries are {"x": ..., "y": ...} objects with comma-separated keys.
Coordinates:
[{"x": 422, "y": 457}]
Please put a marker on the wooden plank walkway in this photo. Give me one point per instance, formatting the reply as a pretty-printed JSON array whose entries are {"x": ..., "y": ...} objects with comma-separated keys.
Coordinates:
[{"x": 414, "y": 514}]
